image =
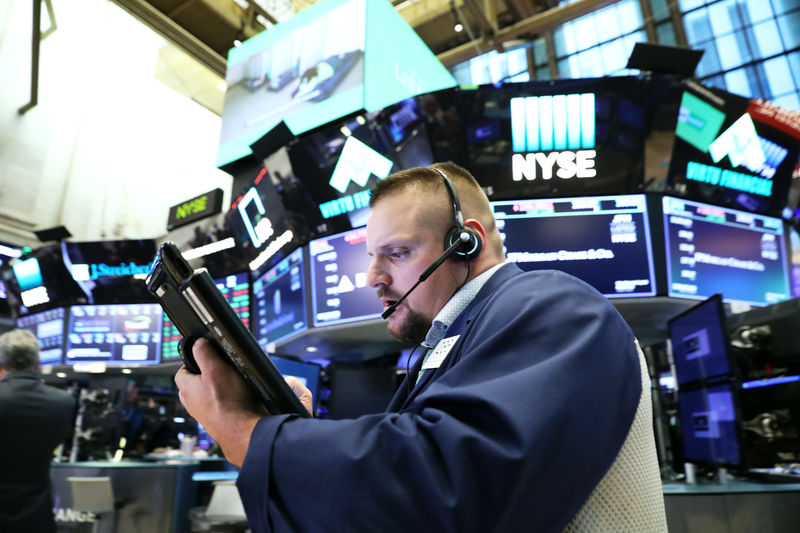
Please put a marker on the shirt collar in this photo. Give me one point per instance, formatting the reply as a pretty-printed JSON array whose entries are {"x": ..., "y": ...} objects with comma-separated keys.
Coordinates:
[{"x": 455, "y": 306}]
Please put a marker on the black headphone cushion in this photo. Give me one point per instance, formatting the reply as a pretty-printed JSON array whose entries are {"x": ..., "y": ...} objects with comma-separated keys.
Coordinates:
[{"x": 470, "y": 249}]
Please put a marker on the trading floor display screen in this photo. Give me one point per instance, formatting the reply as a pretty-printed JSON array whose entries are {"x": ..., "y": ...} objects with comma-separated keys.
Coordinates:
[
  {"x": 123, "y": 334},
  {"x": 339, "y": 288},
  {"x": 699, "y": 342},
  {"x": 709, "y": 425},
  {"x": 711, "y": 249},
  {"x": 279, "y": 301},
  {"x": 236, "y": 291},
  {"x": 48, "y": 326},
  {"x": 603, "y": 240}
]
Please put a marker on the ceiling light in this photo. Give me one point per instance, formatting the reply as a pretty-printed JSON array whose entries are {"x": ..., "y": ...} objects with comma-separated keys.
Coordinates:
[
  {"x": 311, "y": 349},
  {"x": 458, "y": 27},
  {"x": 237, "y": 43}
]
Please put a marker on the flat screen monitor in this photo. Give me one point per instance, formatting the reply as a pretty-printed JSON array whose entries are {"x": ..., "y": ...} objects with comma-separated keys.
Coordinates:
[
  {"x": 235, "y": 288},
  {"x": 308, "y": 373},
  {"x": 700, "y": 342},
  {"x": 339, "y": 291},
  {"x": 48, "y": 326},
  {"x": 121, "y": 334},
  {"x": 279, "y": 301},
  {"x": 709, "y": 425},
  {"x": 603, "y": 240},
  {"x": 712, "y": 249},
  {"x": 110, "y": 271},
  {"x": 41, "y": 280}
]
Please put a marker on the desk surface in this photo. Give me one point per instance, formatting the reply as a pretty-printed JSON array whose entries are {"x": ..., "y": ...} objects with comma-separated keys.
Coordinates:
[{"x": 737, "y": 487}]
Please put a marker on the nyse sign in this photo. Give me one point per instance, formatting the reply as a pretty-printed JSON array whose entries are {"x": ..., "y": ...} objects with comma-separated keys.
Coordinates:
[{"x": 567, "y": 164}]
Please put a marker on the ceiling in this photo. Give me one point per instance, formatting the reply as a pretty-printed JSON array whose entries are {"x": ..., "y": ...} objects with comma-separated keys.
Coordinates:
[{"x": 200, "y": 32}]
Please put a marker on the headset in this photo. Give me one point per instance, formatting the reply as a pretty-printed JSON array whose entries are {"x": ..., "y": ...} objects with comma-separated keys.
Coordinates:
[{"x": 460, "y": 242}]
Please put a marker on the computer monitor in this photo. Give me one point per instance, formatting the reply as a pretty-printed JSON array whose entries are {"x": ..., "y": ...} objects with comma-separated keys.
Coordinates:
[
  {"x": 700, "y": 342},
  {"x": 279, "y": 301},
  {"x": 712, "y": 249},
  {"x": 122, "y": 334},
  {"x": 235, "y": 288},
  {"x": 48, "y": 326},
  {"x": 710, "y": 425},
  {"x": 339, "y": 288},
  {"x": 308, "y": 373},
  {"x": 603, "y": 240}
]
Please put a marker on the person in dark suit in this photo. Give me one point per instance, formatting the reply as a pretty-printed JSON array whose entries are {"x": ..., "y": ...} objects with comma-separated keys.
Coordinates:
[
  {"x": 525, "y": 412},
  {"x": 34, "y": 419}
]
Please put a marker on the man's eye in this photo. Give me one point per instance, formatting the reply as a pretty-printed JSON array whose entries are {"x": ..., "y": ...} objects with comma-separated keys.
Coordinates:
[{"x": 398, "y": 254}]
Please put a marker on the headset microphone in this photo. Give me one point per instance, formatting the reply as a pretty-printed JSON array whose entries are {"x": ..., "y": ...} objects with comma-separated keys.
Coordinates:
[{"x": 464, "y": 237}]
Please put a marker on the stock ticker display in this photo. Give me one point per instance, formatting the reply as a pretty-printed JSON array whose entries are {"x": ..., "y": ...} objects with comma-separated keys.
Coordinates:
[
  {"x": 48, "y": 326},
  {"x": 603, "y": 240},
  {"x": 339, "y": 288},
  {"x": 123, "y": 334},
  {"x": 712, "y": 249},
  {"x": 236, "y": 291},
  {"x": 279, "y": 301}
]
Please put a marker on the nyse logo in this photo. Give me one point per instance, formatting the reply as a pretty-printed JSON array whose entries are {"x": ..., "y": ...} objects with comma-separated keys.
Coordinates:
[
  {"x": 356, "y": 163},
  {"x": 558, "y": 132}
]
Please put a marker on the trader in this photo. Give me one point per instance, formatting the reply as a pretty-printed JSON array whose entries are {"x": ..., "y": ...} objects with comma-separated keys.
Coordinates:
[
  {"x": 35, "y": 418},
  {"x": 525, "y": 413}
]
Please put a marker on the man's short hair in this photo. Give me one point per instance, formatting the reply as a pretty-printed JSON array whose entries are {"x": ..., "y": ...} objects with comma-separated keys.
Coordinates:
[
  {"x": 422, "y": 177},
  {"x": 19, "y": 350}
]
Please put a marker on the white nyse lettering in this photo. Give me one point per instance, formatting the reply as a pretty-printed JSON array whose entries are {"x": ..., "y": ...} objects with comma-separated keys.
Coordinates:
[{"x": 568, "y": 165}]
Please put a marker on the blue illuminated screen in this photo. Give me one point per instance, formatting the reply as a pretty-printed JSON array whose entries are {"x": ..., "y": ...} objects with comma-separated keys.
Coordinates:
[
  {"x": 236, "y": 291},
  {"x": 339, "y": 288},
  {"x": 122, "y": 334},
  {"x": 603, "y": 240},
  {"x": 711, "y": 249},
  {"x": 709, "y": 426},
  {"x": 699, "y": 342},
  {"x": 279, "y": 301},
  {"x": 48, "y": 326}
]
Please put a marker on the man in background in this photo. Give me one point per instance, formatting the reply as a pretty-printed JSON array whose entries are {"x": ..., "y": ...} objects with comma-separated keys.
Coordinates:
[{"x": 35, "y": 418}]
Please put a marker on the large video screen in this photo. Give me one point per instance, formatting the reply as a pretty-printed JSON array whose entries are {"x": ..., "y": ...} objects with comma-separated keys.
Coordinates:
[
  {"x": 236, "y": 291},
  {"x": 110, "y": 271},
  {"x": 307, "y": 71},
  {"x": 41, "y": 280},
  {"x": 711, "y": 249},
  {"x": 733, "y": 151},
  {"x": 339, "y": 291},
  {"x": 603, "y": 240},
  {"x": 48, "y": 326},
  {"x": 337, "y": 165},
  {"x": 123, "y": 334},
  {"x": 709, "y": 425},
  {"x": 699, "y": 342},
  {"x": 279, "y": 301}
]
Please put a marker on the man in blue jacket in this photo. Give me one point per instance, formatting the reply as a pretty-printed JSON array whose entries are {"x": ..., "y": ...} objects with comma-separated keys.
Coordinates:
[{"x": 526, "y": 411}]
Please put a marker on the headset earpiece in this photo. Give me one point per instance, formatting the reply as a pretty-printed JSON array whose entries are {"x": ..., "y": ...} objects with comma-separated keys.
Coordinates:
[{"x": 471, "y": 246}]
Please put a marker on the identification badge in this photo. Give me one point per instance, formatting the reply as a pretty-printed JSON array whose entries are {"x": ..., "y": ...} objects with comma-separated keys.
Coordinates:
[{"x": 440, "y": 352}]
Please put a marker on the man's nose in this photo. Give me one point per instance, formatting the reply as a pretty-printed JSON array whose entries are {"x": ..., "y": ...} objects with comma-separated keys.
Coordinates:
[{"x": 377, "y": 276}]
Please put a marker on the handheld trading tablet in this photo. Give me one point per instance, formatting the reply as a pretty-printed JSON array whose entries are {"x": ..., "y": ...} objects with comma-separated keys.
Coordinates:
[{"x": 197, "y": 308}]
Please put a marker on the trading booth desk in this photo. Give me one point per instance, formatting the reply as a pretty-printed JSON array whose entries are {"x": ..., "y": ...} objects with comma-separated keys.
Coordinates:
[
  {"x": 733, "y": 507},
  {"x": 144, "y": 496}
]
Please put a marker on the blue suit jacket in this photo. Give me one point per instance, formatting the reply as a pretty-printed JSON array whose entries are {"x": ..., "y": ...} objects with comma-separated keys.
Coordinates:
[{"x": 511, "y": 433}]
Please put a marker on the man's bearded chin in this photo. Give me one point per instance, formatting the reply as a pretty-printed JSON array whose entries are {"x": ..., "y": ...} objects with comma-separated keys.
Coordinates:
[{"x": 413, "y": 329}]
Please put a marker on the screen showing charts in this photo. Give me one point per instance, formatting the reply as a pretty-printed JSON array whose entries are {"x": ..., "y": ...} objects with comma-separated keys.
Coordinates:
[
  {"x": 713, "y": 250},
  {"x": 603, "y": 240},
  {"x": 708, "y": 423},
  {"x": 699, "y": 342},
  {"x": 123, "y": 334},
  {"x": 48, "y": 326},
  {"x": 279, "y": 301},
  {"x": 339, "y": 288},
  {"x": 236, "y": 291}
]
